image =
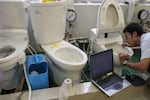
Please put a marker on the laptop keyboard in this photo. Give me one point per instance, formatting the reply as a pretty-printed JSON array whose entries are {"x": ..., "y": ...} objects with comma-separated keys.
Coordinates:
[{"x": 109, "y": 81}]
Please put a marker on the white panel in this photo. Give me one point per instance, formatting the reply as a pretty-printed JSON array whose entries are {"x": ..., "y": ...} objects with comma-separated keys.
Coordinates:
[
  {"x": 48, "y": 22},
  {"x": 87, "y": 13},
  {"x": 12, "y": 14}
]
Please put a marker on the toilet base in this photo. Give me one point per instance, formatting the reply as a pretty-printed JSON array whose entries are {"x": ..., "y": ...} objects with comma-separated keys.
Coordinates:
[
  {"x": 12, "y": 72},
  {"x": 59, "y": 75},
  {"x": 11, "y": 78}
]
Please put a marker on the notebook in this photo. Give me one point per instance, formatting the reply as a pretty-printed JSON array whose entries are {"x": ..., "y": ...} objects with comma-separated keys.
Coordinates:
[{"x": 103, "y": 75}]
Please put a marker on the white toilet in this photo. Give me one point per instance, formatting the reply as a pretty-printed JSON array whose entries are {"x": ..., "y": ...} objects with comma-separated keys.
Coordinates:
[
  {"x": 48, "y": 22},
  {"x": 107, "y": 34},
  {"x": 13, "y": 42}
]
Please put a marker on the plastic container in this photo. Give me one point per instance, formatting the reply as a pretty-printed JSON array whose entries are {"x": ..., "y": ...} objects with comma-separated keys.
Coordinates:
[{"x": 37, "y": 71}]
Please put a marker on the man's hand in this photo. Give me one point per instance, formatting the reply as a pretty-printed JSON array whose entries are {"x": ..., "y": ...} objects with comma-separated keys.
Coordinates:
[
  {"x": 123, "y": 57},
  {"x": 125, "y": 44}
]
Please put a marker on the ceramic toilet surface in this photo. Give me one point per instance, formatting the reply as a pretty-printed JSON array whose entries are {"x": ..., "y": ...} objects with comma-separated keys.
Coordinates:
[
  {"x": 66, "y": 55},
  {"x": 110, "y": 17},
  {"x": 69, "y": 55},
  {"x": 12, "y": 44},
  {"x": 115, "y": 43},
  {"x": 67, "y": 60},
  {"x": 117, "y": 48},
  {"x": 13, "y": 32},
  {"x": 110, "y": 20},
  {"x": 51, "y": 27},
  {"x": 6, "y": 51}
]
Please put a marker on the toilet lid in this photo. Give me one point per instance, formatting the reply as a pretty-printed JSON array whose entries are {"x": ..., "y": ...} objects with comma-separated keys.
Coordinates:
[{"x": 110, "y": 17}]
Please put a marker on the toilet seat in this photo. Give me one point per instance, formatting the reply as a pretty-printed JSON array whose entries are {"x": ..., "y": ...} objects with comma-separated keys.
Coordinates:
[
  {"x": 59, "y": 52},
  {"x": 110, "y": 17},
  {"x": 10, "y": 52}
]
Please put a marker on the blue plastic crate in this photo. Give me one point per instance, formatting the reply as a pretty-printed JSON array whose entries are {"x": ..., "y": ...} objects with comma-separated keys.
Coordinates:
[{"x": 37, "y": 71}]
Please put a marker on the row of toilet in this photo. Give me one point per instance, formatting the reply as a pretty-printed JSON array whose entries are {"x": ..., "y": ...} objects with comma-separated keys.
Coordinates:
[{"x": 49, "y": 23}]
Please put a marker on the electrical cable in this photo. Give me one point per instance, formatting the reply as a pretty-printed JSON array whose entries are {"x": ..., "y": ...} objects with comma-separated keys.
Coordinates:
[
  {"x": 84, "y": 47},
  {"x": 33, "y": 49},
  {"x": 89, "y": 48},
  {"x": 85, "y": 76},
  {"x": 29, "y": 50},
  {"x": 28, "y": 84}
]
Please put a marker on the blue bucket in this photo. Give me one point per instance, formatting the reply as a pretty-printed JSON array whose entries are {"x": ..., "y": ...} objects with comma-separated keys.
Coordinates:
[{"x": 37, "y": 71}]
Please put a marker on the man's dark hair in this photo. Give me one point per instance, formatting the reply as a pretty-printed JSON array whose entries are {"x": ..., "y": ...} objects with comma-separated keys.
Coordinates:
[{"x": 134, "y": 27}]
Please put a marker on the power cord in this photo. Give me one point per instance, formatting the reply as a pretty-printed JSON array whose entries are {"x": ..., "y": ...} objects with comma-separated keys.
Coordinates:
[{"x": 28, "y": 84}]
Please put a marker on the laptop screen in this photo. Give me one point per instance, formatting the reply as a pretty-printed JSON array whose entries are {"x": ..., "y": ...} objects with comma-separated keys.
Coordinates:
[{"x": 101, "y": 63}]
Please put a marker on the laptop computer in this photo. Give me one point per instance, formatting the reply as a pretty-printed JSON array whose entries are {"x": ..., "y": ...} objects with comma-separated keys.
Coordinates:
[{"x": 102, "y": 73}]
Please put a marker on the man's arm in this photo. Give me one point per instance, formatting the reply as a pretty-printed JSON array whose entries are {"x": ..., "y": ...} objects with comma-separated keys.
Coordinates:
[
  {"x": 141, "y": 65},
  {"x": 136, "y": 48}
]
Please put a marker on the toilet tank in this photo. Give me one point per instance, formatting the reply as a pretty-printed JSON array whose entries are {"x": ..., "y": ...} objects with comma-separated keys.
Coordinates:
[
  {"x": 48, "y": 21},
  {"x": 12, "y": 14}
]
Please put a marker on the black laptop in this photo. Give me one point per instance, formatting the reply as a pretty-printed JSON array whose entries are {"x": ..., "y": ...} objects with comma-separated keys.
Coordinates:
[{"x": 102, "y": 73}]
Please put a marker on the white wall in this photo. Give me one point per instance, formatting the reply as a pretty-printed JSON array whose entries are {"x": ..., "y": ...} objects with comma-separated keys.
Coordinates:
[
  {"x": 86, "y": 19},
  {"x": 87, "y": 16}
]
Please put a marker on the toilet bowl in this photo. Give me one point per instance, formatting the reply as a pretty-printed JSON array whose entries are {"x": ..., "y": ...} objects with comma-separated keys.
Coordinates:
[
  {"x": 66, "y": 60},
  {"x": 13, "y": 42},
  {"x": 115, "y": 43},
  {"x": 117, "y": 48},
  {"x": 108, "y": 33}
]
